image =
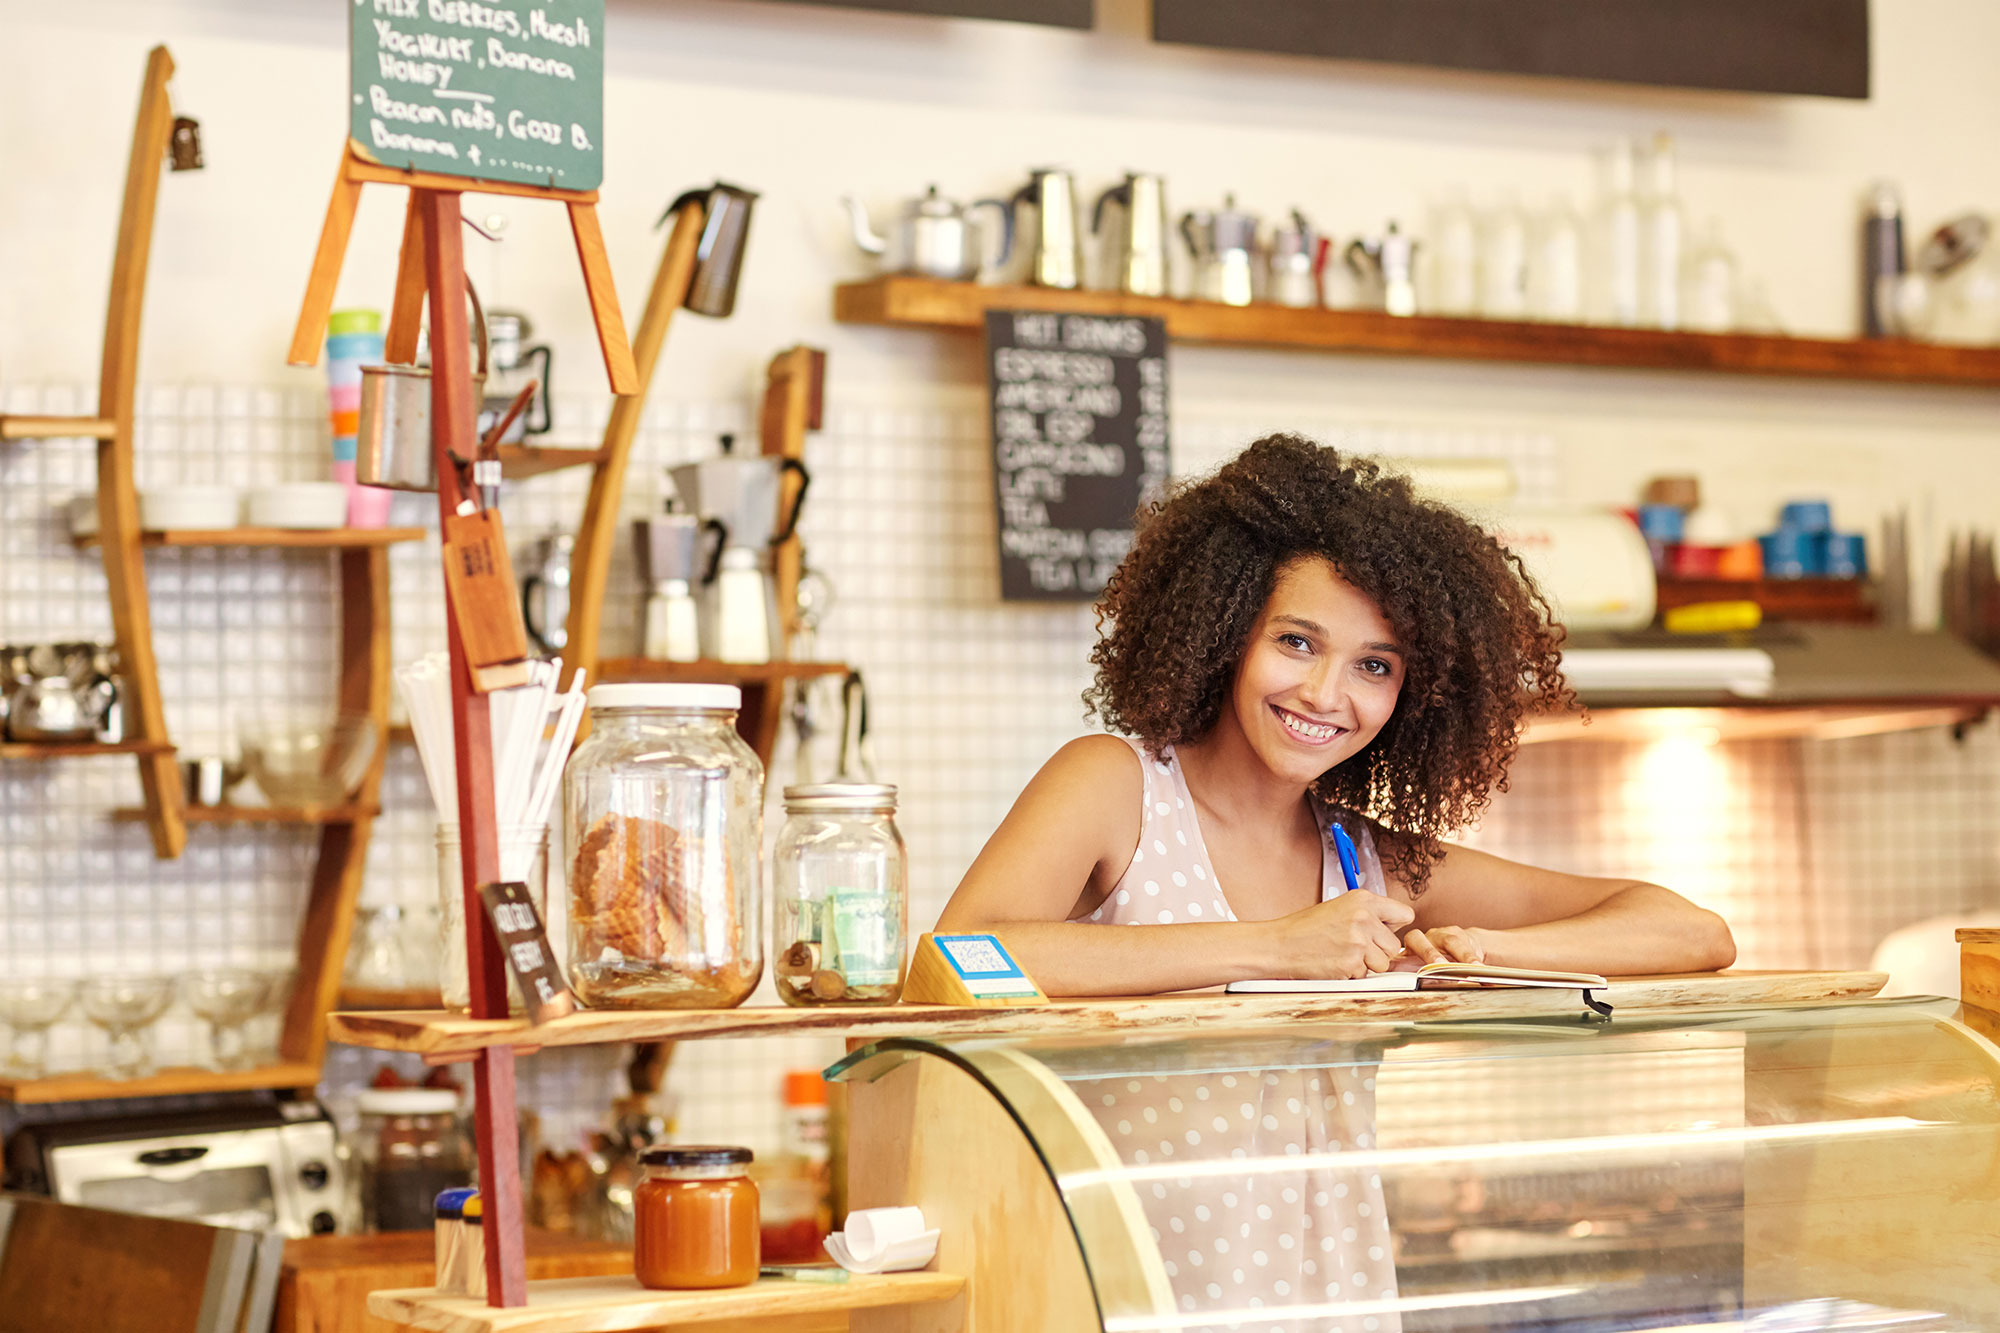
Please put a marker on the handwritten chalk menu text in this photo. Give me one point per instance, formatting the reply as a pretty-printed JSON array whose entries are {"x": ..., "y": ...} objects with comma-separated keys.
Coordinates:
[
  {"x": 497, "y": 90},
  {"x": 1079, "y": 444}
]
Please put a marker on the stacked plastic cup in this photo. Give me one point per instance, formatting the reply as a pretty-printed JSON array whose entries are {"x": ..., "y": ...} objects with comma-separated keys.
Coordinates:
[{"x": 353, "y": 339}]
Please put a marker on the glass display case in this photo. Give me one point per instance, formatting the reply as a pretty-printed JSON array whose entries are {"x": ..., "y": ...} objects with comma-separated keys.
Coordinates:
[{"x": 1793, "y": 1167}]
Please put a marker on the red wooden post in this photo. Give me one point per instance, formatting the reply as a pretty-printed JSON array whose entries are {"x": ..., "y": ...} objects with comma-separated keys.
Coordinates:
[{"x": 453, "y": 423}]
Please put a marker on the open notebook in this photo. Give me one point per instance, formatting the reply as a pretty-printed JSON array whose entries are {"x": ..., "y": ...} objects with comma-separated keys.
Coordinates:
[{"x": 1431, "y": 976}]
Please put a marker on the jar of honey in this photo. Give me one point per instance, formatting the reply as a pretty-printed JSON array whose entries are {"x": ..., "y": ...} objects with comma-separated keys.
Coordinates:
[{"x": 694, "y": 1219}]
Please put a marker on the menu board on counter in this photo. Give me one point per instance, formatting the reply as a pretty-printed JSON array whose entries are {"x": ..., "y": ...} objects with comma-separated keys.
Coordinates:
[
  {"x": 497, "y": 90},
  {"x": 1079, "y": 444}
]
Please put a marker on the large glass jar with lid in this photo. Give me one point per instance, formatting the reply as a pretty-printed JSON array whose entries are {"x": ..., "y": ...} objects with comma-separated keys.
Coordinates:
[
  {"x": 841, "y": 887},
  {"x": 663, "y": 808}
]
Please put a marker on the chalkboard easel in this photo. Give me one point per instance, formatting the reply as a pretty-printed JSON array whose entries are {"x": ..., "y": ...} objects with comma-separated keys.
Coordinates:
[
  {"x": 411, "y": 276},
  {"x": 433, "y": 263}
]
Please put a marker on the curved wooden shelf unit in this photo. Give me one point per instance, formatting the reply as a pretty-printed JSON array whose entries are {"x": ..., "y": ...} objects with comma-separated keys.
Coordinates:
[
  {"x": 318, "y": 539},
  {"x": 261, "y": 814},
  {"x": 614, "y": 1304},
  {"x": 80, "y": 749},
  {"x": 437, "y": 1033},
  {"x": 931, "y": 303},
  {"x": 179, "y": 1081}
]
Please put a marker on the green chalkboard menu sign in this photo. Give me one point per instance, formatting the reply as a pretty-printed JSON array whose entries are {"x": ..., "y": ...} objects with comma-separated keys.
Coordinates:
[
  {"x": 1079, "y": 444},
  {"x": 497, "y": 90}
]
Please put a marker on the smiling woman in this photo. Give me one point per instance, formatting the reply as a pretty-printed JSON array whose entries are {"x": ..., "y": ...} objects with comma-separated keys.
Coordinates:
[{"x": 1295, "y": 641}]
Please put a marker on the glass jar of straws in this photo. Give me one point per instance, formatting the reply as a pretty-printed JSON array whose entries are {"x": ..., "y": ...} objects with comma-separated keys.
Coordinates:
[
  {"x": 664, "y": 819},
  {"x": 531, "y": 728}
]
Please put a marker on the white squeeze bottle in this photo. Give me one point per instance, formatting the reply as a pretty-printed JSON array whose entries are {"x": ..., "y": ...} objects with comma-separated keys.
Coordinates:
[
  {"x": 1555, "y": 274},
  {"x": 1617, "y": 241},
  {"x": 1455, "y": 262},
  {"x": 1503, "y": 263},
  {"x": 1660, "y": 291}
]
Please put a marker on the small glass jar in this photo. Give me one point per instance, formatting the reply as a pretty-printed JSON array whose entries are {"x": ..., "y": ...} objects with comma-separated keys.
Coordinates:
[
  {"x": 524, "y": 858},
  {"x": 664, "y": 820},
  {"x": 412, "y": 1145},
  {"x": 840, "y": 880},
  {"x": 694, "y": 1219}
]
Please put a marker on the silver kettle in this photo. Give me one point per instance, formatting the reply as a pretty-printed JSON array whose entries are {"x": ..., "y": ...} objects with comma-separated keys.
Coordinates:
[
  {"x": 1292, "y": 261},
  {"x": 931, "y": 236}
]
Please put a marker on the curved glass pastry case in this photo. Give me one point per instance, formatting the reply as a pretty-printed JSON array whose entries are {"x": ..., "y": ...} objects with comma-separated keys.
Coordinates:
[{"x": 1794, "y": 1167}]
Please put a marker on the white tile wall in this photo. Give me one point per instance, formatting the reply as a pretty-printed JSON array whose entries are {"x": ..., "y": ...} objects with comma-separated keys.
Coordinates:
[{"x": 1812, "y": 850}]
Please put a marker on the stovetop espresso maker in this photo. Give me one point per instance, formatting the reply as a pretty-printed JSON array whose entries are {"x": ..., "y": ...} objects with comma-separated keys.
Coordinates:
[{"x": 739, "y": 494}]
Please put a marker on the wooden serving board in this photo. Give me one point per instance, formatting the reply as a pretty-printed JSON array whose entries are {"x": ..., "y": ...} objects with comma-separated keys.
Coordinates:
[
  {"x": 610, "y": 1304},
  {"x": 440, "y": 1033}
]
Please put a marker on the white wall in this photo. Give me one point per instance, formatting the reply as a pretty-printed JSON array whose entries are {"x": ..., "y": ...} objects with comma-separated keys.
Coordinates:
[{"x": 805, "y": 104}]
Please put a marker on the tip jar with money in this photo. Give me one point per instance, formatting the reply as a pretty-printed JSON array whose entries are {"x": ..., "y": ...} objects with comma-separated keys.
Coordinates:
[
  {"x": 663, "y": 809},
  {"x": 842, "y": 907}
]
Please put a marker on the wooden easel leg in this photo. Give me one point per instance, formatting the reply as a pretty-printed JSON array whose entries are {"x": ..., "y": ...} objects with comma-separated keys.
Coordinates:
[
  {"x": 603, "y": 299},
  {"x": 406, "y": 316},
  {"x": 325, "y": 276},
  {"x": 590, "y": 563},
  {"x": 452, "y": 426}
]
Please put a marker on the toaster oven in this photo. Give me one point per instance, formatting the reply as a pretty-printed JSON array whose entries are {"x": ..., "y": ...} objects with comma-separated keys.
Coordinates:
[{"x": 272, "y": 1167}]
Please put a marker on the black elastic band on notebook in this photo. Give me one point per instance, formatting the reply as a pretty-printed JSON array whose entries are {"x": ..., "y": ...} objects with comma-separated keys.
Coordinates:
[{"x": 1600, "y": 1010}]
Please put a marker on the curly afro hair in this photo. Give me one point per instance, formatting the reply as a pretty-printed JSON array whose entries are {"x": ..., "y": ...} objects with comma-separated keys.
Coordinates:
[{"x": 1482, "y": 649}]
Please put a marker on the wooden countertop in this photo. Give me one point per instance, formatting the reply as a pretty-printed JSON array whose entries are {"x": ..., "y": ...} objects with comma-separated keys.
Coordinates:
[
  {"x": 324, "y": 1281},
  {"x": 441, "y": 1033}
]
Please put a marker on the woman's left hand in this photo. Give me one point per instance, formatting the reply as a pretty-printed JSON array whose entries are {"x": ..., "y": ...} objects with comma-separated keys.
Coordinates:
[{"x": 1445, "y": 944}]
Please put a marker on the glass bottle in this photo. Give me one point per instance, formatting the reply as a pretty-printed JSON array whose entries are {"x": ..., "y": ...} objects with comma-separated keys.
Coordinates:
[
  {"x": 1555, "y": 275},
  {"x": 1616, "y": 259},
  {"x": 1659, "y": 297},
  {"x": 1455, "y": 262},
  {"x": 411, "y": 1145},
  {"x": 1503, "y": 263},
  {"x": 1710, "y": 299},
  {"x": 839, "y": 879},
  {"x": 664, "y": 823}
]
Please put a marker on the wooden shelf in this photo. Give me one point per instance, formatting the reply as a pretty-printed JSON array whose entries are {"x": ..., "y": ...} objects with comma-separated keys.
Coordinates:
[
  {"x": 260, "y": 814},
  {"x": 1751, "y": 722},
  {"x": 321, "y": 539},
  {"x": 532, "y": 460},
  {"x": 179, "y": 1081},
  {"x": 389, "y": 997},
  {"x": 930, "y": 303},
  {"x": 57, "y": 428},
  {"x": 452, "y": 1034},
  {"x": 610, "y": 1304},
  {"x": 638, "y": 670},
  {"x": 79, "y": 749}
]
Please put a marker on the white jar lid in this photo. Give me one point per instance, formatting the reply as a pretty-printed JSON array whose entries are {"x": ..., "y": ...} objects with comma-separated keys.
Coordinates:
[
  {"x": 407, "y": 1101},
  {"x": 664, "y": 696}
]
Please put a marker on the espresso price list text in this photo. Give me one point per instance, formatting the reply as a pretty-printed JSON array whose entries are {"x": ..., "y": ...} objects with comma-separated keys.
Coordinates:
[{"x": 1080, "y": 443}]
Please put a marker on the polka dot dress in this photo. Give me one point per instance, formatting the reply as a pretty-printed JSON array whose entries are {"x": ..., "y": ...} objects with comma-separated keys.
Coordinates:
[{"x": 1272, "y": 1240}]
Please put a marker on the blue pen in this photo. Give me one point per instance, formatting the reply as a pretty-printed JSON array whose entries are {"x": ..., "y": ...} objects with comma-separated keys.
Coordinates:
[{"x": 1350, "y": 864}]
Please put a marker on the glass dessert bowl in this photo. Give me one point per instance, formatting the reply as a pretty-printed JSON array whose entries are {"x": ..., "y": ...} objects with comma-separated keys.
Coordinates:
[{"x": 125, "y": 1006}]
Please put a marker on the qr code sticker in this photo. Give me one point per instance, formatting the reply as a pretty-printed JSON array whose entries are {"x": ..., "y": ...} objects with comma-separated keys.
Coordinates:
[{"x": 973, "y": 956}]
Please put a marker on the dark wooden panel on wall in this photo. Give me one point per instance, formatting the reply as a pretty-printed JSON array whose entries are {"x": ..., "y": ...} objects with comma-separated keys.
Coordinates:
[
  {"x": 1051, "y": 13},
  {"x": 1764, "y": 46}
]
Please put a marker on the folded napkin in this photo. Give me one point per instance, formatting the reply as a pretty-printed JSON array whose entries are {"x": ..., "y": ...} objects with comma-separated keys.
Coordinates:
[{"x": 883, "y": 1240}]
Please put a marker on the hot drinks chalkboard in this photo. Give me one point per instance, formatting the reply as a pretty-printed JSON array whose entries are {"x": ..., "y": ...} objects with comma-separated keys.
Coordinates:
[
  {"x": 1079, "y": 444},
  {"x": 498, "y": 90}
]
